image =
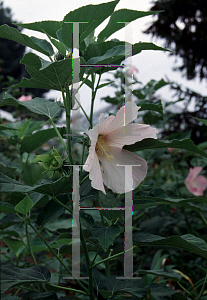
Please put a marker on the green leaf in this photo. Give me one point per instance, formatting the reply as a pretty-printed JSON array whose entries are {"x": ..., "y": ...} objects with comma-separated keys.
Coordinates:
[
  {"x": 36, "y": 197},
  {"x": 33, "y": 83},
  {"x": 43, "y": 26},
  {"x": 187, "y": 242},
  {"x": 55, "y": 188},
  {"x": 111, "y": 56},
  {"x": 141, "y": 202},
  {"x": 60, "y": 46},
  {"x": 32, "y": 173},
  {"x": 7, "y": 297},
  {"x": 23, "y": 128},
  {"x": 168, "y": 273},
  {"x": 160, "y": 84},
  {"x": 32, "y": 142},
  {"x": 104, "y": 84},
  {"x": 86, "y": 190},
  {"x": 122, "y": 15},
  {"x": 44, "y": 296},
  {"x": 9, "y": 171},
  {"x": 50, "y": 75},
  {"x": 186, "y": 144},
  {"x": 24, "y": 206},
  {"x": 34, "y": 125},
  {"x": 11, "y": 276},
  {"x": 9, "y": 220},
  {"x": 112, "y": 100},
  {"x": 15, "y": 245},
  {"x": 36, "y": 105},
  {"x": 149, "y": 104},
  {"x": 52, "y": 211},
  {"x": 10, "y": 33},
  {"x": 94, "y": 15},
  {"x": 88, "y": 218},
  {"x": 201, "y": 120},
  {"x": 44, "y": 45},
  {"x": 88, "y": 83},
  {"x": 105, "y": 235},
  {"x": 112, "y": 52},
  {"x": 7, "y": 207}
]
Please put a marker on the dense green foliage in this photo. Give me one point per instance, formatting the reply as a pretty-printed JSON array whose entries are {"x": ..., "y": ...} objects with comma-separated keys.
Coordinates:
[{"x": 36, "y": 181}]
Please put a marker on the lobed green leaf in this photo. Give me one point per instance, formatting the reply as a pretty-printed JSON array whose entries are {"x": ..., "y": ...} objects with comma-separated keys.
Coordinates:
[
  {"x": 93, "y": 15},
  {"x": 186, "y": 242},
  {"x": 36, "y": 105},
  {"x": 37, "y": 44},
  {"x": 11, "y": 276}
]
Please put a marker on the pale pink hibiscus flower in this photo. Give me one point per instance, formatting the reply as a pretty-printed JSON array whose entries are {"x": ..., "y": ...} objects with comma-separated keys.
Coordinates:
[
  {"x": 25, "y": 98},
  {"x": 194, "y": 183},
  {"x": 107, "y": 140},
  {"x": 131, "y": 71}
]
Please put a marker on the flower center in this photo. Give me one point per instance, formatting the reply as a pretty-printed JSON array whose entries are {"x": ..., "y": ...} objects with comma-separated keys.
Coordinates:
[{"x": 102, "y": 148}]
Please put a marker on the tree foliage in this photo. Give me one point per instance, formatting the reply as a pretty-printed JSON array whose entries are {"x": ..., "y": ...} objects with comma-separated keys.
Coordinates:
[
  {"x": 183, "y": 25},
  {"x": 10, "y": 54}
]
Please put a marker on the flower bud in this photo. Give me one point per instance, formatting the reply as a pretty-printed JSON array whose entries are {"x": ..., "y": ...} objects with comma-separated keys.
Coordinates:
[{"x": 50, "y": 162}]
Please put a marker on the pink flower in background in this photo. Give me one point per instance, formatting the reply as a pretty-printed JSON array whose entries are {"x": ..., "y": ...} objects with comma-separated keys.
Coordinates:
[
  {"x": 194, "y": 183},
  {"x": 107, "y": 140},
  {"x": 131, "y": 71},
  {"x": 25, "y": 98}
]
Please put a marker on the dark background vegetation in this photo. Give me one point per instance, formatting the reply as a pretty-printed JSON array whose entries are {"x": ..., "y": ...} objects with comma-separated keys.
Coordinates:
[{"x": 183, "y": 27}]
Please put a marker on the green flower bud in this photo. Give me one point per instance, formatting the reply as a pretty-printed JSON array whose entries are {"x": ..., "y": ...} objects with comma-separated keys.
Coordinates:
[{"x": 50, "y": 162}]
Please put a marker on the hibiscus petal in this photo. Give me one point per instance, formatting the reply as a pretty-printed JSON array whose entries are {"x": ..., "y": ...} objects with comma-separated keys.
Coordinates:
[
  {"x": 104, "y": 125},
  {"x": 129, "y": 112},
  {"x": 193, "y": 173},
  {"x": 93, "y": 167},
  {"x": 200, "y": 182},
  {"x": 93, "y": 135},
  {"x": 138, "y": 132},
  {"x": 114, "y": 176}
]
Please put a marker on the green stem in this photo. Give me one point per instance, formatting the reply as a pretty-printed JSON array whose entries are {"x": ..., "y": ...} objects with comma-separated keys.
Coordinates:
[
  {"x": 93, "y": 97},
  {"x": 82, "y": 159},
  {"x": 110, "y": 257},
  {"x": 202, "y": 289},
  {"x": 117, "y": 197},
  {"x": 43, "y": 239},
  {"x": 68, "y": 104},
  {"x": 103, "y": 222},
  {"x": 63, "y": 205},
  {"x": 96, "y": 255},
  {"x": 101, "y": 212},
  {"x": 25, "y": 163},
  {"x": 202, "y": 217},
  {"x": 59, "y": 135},
  {"x": 188, "y": 225},
  {"x": 21, "y": 165},
  {"x": 90, "y": 272},
  {"x": 107, "y": 263},
  {"x": 182, "y": 287},
  {"x": 67, "y": 289},
  {"x": 59, "y": 270},
  {"x": 84, "y": 179},
  {"x": 16, "y": 293},
  {"x": 82, "y": 238},
  {"x": 29, "y": 244},
  {"x": 82, "y": 109},
  {"x": 81, "y": 85}
]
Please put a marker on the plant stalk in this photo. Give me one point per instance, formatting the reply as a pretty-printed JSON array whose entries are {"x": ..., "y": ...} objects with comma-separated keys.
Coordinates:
[{"x": 44, "y": 240}]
